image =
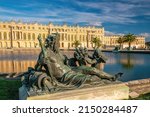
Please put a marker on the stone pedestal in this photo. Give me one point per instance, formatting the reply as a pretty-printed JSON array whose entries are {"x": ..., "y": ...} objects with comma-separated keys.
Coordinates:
[{"x": 108, "y": 92}]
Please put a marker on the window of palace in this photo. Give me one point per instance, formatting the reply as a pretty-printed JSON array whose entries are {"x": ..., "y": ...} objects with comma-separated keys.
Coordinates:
[
  {"x": 68, "y": 37},
  {"x": 33, "y": 36},
  {"x": 62, "y": 36},
  {"x": 24, "y": 27},
  {"x": 4, "y": 26},
  {"x": 24, "y": 36},
  {"x": 29, "y": 36},
  {"x": 28, "y": 27},
  {"x": 18, "y": 37},
  {"x": 62, "y": 44},
  {"x": 5, "y": 35}
]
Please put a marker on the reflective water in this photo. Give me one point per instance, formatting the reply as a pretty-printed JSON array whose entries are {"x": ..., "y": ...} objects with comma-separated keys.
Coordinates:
[
  {"x": 134, "y": 66},
  {"x": 17, "y": 61}
]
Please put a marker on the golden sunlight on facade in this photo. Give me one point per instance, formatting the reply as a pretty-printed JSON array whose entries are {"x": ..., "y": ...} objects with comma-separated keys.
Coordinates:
[{"x": 24, "y": 35}]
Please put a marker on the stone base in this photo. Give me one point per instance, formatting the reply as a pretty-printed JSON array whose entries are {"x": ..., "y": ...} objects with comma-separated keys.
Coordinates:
[
  {"x": 23, "y": 93},
  {"x": 108, "y": 92}
]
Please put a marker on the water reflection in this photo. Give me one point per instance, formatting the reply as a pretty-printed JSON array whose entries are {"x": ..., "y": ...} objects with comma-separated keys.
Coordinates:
[
  {"x": 17, "y": 61},
  {"x": 134, "y": 66},
  {"x": 9, "y": 66},
  {"x": 127, "y": 62}
]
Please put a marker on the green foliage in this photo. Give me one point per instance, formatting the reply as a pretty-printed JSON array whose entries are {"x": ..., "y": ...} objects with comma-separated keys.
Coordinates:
[
  {"x": 121, "y": 40},
  {"x": 129, "y": 38},
  {"x": 76, "y": 43},
  {"x": 96, "y": 42},
  {"x": 9, "y": 89},
  {"x": 142, "y": 97}
]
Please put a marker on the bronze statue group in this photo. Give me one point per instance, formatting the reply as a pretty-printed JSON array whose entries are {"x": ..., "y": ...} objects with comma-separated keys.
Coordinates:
[{"x": 56, "y": 72}]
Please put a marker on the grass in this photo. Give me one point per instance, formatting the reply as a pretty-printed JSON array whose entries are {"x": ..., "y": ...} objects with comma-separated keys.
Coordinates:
[
  {"x": 142, "y": 97},
  {"x": 9, "y": 89}
]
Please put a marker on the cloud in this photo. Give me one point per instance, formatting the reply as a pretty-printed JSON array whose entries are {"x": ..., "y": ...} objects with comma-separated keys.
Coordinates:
[
  {"x": 88, "y": 12},
  {"x": 120, "y": 12},
  {"x": 29, "y": 19},
  {"x": 146, "y": 35},
  {"x": 10, "y": 11},
  {"x": 55, "y": 15},
  {"x": 109, "y": 33}
]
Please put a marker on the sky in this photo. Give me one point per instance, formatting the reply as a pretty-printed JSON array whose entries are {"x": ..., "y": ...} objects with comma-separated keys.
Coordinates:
[{"x": 116, "y": 16}]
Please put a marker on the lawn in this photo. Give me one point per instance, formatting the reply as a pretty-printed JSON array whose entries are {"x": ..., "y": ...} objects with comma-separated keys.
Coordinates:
[{"x": 9, "y": 89}]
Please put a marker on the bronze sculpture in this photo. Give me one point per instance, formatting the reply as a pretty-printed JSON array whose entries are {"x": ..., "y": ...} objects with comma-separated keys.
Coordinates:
[{"x": 52, "y": 72}]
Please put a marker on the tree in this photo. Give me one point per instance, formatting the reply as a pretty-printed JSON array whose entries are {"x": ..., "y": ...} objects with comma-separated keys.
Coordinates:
[
  {"x": 129, "y": 38},
  {"x": 147, "y": 45},
  {"x": 96, "y": 43},
  {"x": 76, "y": 43},
  {"x": 120, "y": 41}
]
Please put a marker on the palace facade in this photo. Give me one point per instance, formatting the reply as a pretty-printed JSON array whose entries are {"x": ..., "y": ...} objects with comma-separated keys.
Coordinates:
[{"x": 24, "y": 35}]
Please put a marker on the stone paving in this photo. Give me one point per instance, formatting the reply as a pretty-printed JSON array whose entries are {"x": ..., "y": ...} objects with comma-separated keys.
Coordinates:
[{"x": 138, "y": 87}]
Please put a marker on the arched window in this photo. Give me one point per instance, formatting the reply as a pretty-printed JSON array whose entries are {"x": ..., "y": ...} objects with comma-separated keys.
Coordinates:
[
  {"x": 68, "y": 37},
  {"x": 62, "y": 45},
  {"x": 29, "y": 36},
  {"x": 33, "y": 36},
  {"x": 18, "y": 44},
  {"x": 18, "y": 36},
  {"x": 24, "y": 36},
  {"x": 5, "y": 35}
]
